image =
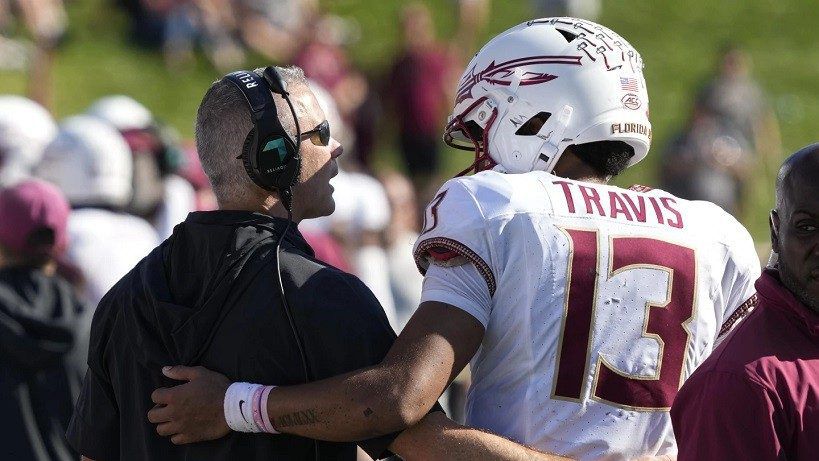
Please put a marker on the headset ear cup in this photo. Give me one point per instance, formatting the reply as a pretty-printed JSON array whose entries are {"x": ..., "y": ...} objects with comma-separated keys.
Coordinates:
[
  {"x": 248, "y": 149},
  {"x": 289, "y": 175}
]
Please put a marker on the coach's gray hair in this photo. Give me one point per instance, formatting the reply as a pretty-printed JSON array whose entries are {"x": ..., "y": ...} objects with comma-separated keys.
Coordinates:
[{"x": 222, "y": 124}]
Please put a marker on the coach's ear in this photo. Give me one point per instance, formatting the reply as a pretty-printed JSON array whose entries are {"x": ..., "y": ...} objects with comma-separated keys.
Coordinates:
[{"x": 773, "y": 222}]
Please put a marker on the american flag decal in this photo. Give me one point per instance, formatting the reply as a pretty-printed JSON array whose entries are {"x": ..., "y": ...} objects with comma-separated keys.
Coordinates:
[{"x": 628, "y": 84}]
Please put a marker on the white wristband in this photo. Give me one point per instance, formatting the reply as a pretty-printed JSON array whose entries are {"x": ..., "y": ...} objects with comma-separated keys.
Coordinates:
[
  {"x": 245, "y": 408},
  {"x": 239, "y": 407}
]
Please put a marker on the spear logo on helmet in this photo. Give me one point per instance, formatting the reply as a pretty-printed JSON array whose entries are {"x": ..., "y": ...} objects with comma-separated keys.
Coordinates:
[{"x": 500, "y": 74}]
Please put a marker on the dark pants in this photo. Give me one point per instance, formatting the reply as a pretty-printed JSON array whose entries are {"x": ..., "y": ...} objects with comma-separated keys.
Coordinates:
[{"x": 420, "y": 154}]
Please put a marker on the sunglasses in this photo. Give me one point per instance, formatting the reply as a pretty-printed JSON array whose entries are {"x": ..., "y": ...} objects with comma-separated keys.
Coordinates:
[{"x": 323, "y": 132}]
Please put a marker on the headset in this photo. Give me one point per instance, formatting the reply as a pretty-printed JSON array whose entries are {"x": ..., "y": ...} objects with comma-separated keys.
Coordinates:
[
  {"x": 272, "y": 161},
  {"x": 270, "y": 156}
]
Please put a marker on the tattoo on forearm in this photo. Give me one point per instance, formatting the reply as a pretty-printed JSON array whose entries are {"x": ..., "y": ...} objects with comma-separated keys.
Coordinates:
[
  {"x": 368, "y": 412},
  {"x": 299, "y": 418}
]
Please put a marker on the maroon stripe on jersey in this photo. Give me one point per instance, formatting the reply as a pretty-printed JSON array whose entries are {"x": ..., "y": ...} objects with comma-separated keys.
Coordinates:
[
  {"x": 442, "y": 245},
  {"x": 577, "y": 323},
  {"x": 739, "y": 314}
]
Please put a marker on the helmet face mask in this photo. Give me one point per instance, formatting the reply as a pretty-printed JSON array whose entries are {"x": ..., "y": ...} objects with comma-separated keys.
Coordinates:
[
  {"x": 585, "y": 77},
  {"x": 463, "y": 132}
]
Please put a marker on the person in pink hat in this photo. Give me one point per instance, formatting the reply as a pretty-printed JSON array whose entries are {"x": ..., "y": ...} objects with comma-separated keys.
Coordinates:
[
  {"x": 33, "y": 222},
  {"x": 38, "y": 323}
]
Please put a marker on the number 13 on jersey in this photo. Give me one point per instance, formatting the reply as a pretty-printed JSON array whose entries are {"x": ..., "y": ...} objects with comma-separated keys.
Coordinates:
[{"x": 665, "y": 320}]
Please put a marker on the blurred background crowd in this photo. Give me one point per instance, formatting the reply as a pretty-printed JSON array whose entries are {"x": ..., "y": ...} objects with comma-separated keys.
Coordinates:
[{"x": 97, "y": 165}]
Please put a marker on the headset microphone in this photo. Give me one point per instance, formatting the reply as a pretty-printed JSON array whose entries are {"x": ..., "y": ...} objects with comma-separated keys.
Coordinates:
[{"x": 275, "y": 81}]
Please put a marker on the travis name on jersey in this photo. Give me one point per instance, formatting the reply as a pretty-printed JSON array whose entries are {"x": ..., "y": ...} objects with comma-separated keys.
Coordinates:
[{"x": 630, "y": 205}]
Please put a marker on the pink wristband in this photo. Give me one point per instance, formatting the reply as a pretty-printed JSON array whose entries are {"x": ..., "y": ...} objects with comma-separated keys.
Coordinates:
[
  {"x": 256, "y": 408},
  {"x": 266, "y": 425}
]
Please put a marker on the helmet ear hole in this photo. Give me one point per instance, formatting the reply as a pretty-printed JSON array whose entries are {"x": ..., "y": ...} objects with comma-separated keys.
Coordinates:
[
  {"x": 475, "y": 130},
  {"x": 534, "y": 124}
]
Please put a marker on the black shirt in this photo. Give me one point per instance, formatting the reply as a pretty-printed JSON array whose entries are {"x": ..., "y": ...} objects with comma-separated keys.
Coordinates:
[
  {"x": 38, "y": 320},
  {"x": 209, "y": 296}
]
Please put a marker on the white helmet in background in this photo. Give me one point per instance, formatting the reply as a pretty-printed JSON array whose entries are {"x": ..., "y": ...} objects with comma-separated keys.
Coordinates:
[
  {"x": 26, "y": 128},
  {"x": 123, "y": 112},
  {"x": 90, "y": 161},
  {"x": 584, "y": 79}
]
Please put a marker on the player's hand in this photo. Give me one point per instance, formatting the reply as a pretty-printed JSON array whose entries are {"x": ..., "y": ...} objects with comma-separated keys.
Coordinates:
[{"x": 190, "y": 412}]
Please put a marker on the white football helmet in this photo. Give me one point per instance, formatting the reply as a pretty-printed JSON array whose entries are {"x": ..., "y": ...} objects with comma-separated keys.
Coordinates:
[
  {"x": 584, "y": 79},
  {"x": 26, "y": 128},
  {"x": 123, "y": 112},
  {"x": 90, "y": 162}
]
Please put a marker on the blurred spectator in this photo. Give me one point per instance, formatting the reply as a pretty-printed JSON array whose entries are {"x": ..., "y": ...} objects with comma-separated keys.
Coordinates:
[
  {"x": 38, "y": 316},
  {"x": 45, "y": 20},
  {"x": 402, "y": 232},
  {"x": 177, "y": 26},
  {"x": 362, "y": 213},
  {"x": 26, "y": 128},
  {"x": 274, "y": 28},
  {"x": 159, "y": 195},
  {"x": 586, "y": 9},
  {"x": 731, "y": 136},
  {"x": 91, "y": 163},
  {"x": 322, "y": 56},
  {"x": 46, "y": 23},
  {"x": 736, "y": 99},
  {"x": 418, "y": 85},
  {"x": 710, "y": 160},
  {"x": 147, "y": 20},
  {"x": 472, "y": 18},
  {"x": 209, "y": 23},
  {"x": 324, "y": 60}
]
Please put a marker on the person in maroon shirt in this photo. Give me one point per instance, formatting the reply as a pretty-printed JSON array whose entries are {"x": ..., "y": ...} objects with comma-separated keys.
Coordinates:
[
  {"x": 418, "y": 86},
  {"x": 757, "y": 395}
]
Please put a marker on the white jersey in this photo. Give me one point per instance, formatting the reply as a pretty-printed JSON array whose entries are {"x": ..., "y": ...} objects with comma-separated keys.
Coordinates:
[
  {"x": 597, "y": 301},
  {"x": 105, "y": 246}
]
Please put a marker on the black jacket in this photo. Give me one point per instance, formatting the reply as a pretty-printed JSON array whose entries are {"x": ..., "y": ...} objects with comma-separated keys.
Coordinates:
[
  {"x": 209, "y": 296},
  {"x": 38, "y": 316}
]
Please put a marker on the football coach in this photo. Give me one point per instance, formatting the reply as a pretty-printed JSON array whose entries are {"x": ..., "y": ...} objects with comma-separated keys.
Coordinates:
[
  {"x": 238, "y": 291},
  {"x": 756, "y": 395}
]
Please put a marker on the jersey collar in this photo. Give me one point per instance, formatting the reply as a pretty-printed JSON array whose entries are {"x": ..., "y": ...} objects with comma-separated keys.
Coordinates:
[{"x": 775, "y": 295}]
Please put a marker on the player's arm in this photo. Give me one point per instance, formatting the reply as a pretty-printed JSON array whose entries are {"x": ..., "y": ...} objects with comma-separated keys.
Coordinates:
[
  {"x": 433, "y": 348},
  {"x": 438, "y": 437}
]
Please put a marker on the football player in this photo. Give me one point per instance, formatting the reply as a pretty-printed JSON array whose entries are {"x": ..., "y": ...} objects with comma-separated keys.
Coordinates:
[{"x": 582, "y": 306}]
